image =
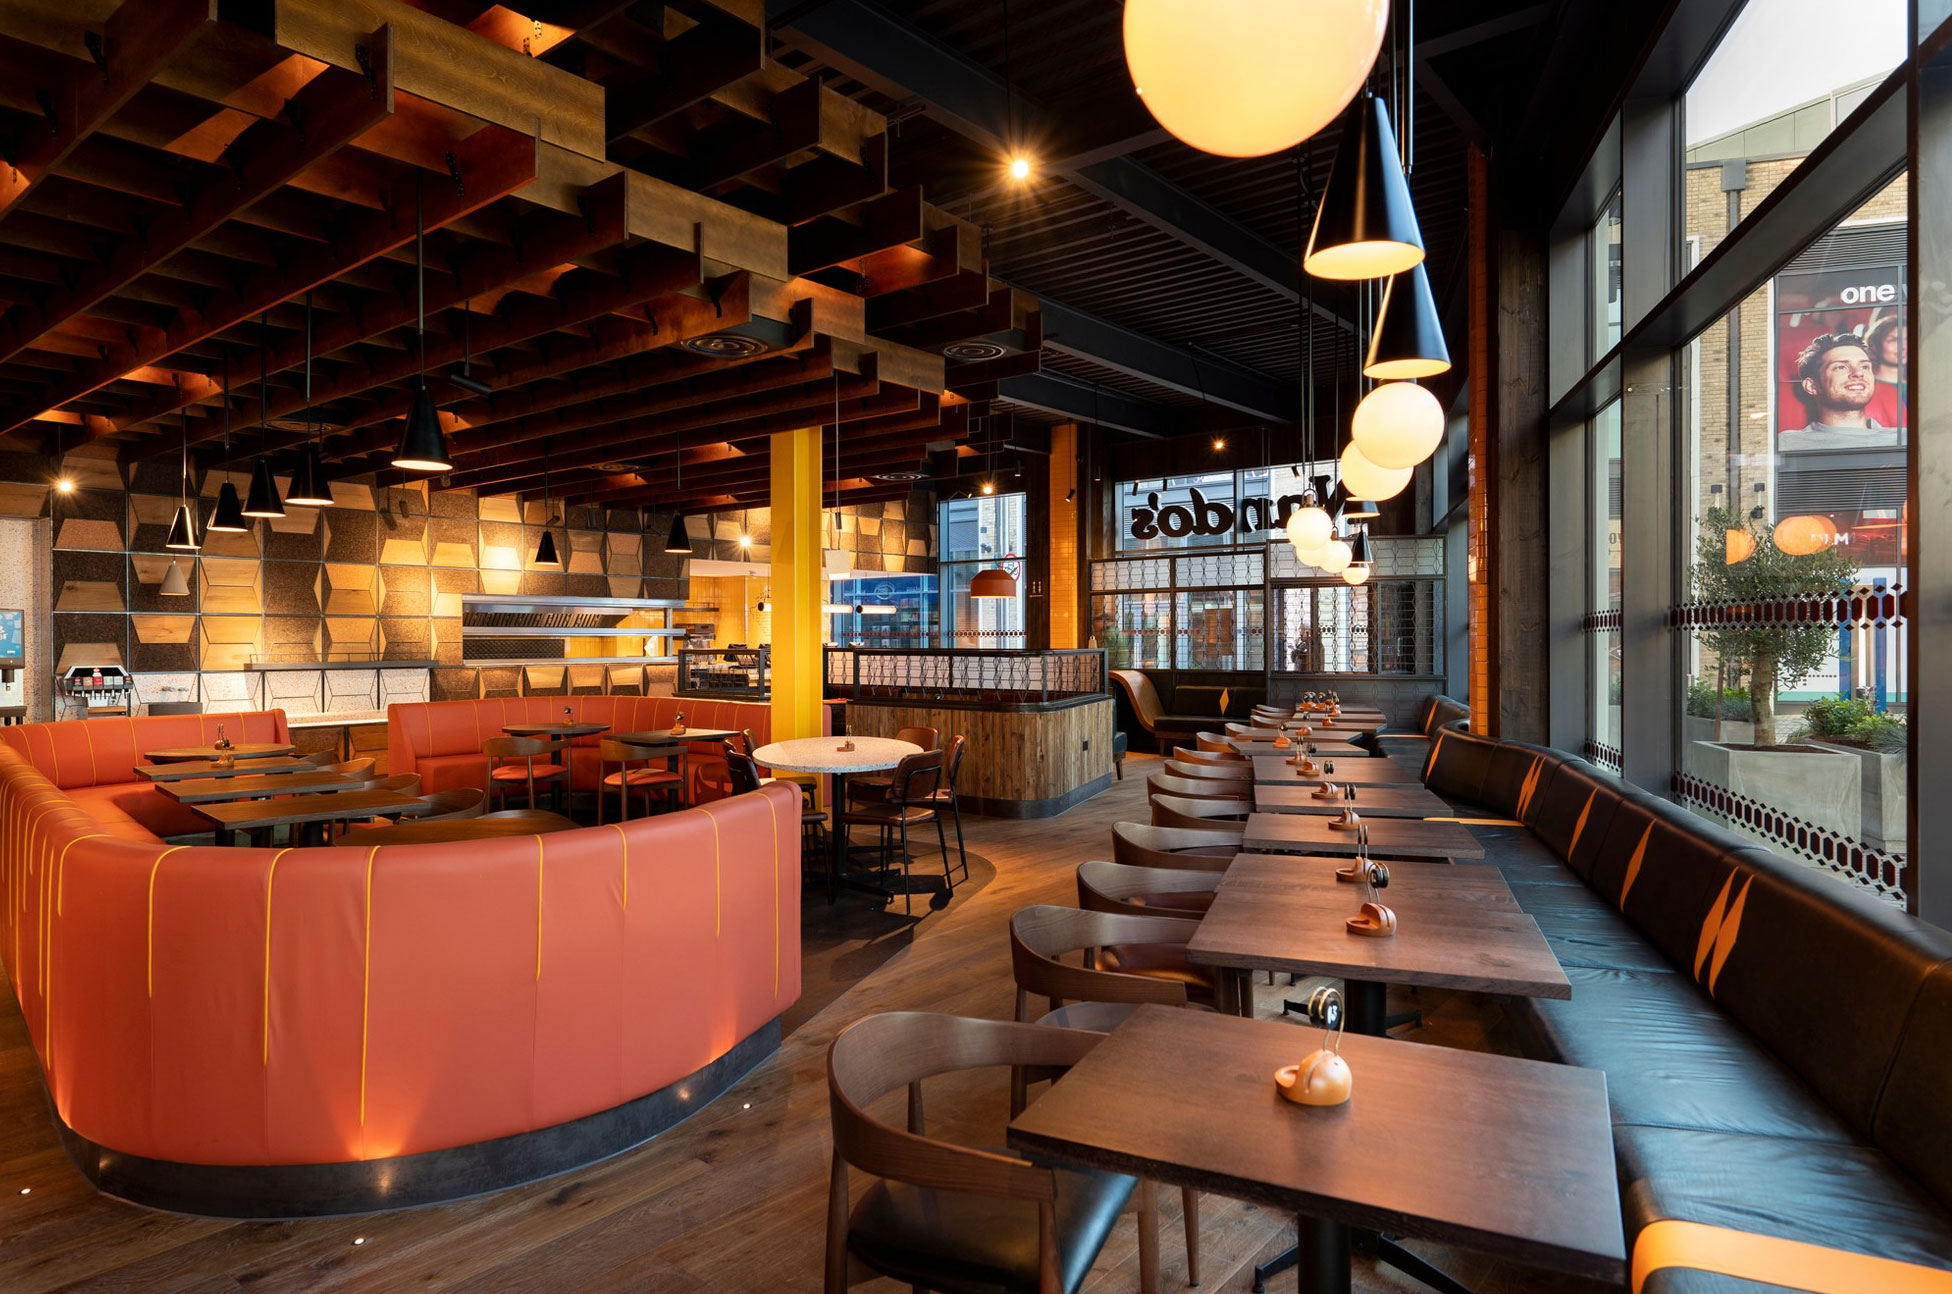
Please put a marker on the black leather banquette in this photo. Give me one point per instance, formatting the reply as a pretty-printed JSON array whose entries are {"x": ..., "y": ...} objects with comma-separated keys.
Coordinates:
[{"x": 1777, "y": 1042}]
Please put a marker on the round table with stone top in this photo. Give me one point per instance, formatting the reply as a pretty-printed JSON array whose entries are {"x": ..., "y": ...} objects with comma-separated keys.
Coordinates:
[{"x": 824, "y": 756}]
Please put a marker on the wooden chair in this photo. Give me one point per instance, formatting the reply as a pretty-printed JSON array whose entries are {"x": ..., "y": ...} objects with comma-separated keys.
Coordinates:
[
  {"x": 745, "y": 778},
  {"x": 950, "y": 1217},
  {"x": 445, "y": 806},
  {"x": 1145, "y": 891},
  {"x": 1213, "y": 743},
  {"x": 667, "y": 780},
  {"x": 359, "y": 770},
  {"x": 505, "y": 774},
  {"x": 945, "y": 795},
  {"x": 904, "y": 803},
  {"x": 1199, "y": 788},
  {"x": 1228, "y": 758},
  {"x": 398, "y": 783},
  {"x": 1179, "y": 811},
  {"x": 1204, "y": 849},
  {"x": 1233, "y": 770},
  {"x": 1103, "y": 1017},
  {"x": 873, "y": 786},
  {"x": 1126, "y": 958}
]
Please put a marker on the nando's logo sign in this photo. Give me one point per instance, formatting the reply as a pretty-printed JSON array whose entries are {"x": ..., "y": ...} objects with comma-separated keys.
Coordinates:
[{"x": 1200, "y": 515}]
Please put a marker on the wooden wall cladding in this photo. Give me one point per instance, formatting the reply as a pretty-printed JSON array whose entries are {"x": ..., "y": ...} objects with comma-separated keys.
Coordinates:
[{"x": 1019, "y": 763}]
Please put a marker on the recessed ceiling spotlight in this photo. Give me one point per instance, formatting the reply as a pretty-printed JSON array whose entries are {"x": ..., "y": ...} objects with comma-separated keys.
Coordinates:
[
  {"x": 900, "y": 475},
  {"x": 725, "y": 345},
  {"x": 1020, "y": 168},
  {"x": 973, "y": 350}
]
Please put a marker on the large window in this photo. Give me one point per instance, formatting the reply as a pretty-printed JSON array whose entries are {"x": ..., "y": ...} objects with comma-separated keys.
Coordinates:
[
  {"x": 978, "y": 533},
  {"x": 1794, "y": 727},
  {"x": 1603, "y": 250},
  {"x": 1605, "y": 678}
]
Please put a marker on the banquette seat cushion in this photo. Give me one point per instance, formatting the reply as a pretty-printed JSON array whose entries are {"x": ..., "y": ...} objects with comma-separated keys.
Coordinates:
[
  {"x": 1776, "y": 1041},
  {"x": 256, "y": 1007},
  {"x": 94, "y": 761},
  {"x": 441, "y": 740}
]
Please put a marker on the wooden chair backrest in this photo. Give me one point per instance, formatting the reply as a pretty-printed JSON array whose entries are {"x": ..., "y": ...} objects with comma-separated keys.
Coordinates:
[
  {"x": 880, "y": 1053},
  {"x": 952, "y": 759},
  {"x": 500, "y": 748},
  {"x": 916, "y": 777},
  {"x": 611, "y": 751},
  {"x": 924, "y": 737},
  {"x": 741, "y": 771},
  {"x": 1228, "y": 758},
  {"x": 1143, "y": 696},
  {"x": 463, "y": 802},
  {"x": 1042, "y": 934},
  {"x": 1199, "y": 788},
  {"x": 1231, "y": 770},
  {"x": 1213, "y": 743},
  {"x": 400, "y": 783},
  {"x": 1179, "y": 811},
  {"x": 1195, "y": 849},
  {"x": 359, "y": 770},
  {"x": 1110, "y": 887}
]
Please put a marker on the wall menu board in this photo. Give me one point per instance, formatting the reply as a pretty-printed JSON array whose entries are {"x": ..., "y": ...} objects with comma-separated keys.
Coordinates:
[{"x": 13, "y": 644}]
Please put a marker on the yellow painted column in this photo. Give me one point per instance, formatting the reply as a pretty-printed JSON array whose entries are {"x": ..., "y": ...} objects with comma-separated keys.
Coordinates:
[
  {"x": 1063, "y": 547},
  {"x": 796, "y": 582}
]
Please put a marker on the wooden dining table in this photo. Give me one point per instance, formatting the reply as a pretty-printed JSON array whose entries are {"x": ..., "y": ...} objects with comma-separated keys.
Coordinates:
[
  {"x": 665, "y": 737},
  {"x": 203, "y": 768},
  {"x": 233, "y": 816},
  {"x": 213, "y": 790},
  {"x": 238, "y": 750},
  {"x": 1496, "y": 1154},
  {"x": 561, "y": 731},
  {"x": 1297, "y": 833},
  {"x": 514, "y": 822},
  {"x": 1253, "y": 747},
  {"x": 1369, "y": 801},
  {"x": 1458, "y": 927},
  {"x": 1352, "y": 770}
]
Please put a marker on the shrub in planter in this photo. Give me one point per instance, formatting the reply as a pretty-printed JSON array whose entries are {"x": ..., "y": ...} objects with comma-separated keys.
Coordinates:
[
  {"x": 1847, "y": 721},
  {"x": 1735, "y": 705}
]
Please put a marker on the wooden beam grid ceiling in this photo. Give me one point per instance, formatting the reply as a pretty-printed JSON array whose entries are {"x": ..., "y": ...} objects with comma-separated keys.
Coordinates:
[{"x": 639, "y": 228}]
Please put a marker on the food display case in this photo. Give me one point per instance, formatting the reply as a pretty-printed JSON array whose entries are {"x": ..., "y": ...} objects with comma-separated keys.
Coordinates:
[
  {"x": 735, "y": 673},
  {"x": 95, "y": 691}
]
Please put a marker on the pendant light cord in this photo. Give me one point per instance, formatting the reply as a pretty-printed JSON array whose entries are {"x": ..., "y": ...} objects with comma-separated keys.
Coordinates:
[
  {"x": 420, "y": 278},
  {"x": 309, "y": 433},
  {"x": 264, "y": 384}
]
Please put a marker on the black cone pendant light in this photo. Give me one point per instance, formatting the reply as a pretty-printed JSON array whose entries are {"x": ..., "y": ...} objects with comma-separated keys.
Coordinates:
[
  {"x": 545, "y": 547},
  {"x": 229, "y": 515},
  {"x": 1365, "y": 227},
  {"x": 263, "y": 500},
  {"x": 1409, "y": 338},
  {"x": 183, "y": 530},
  {"x": 308, "y": 482},
  {"x": 422, "y": 446},
  {"x": 679, "y": 540}
]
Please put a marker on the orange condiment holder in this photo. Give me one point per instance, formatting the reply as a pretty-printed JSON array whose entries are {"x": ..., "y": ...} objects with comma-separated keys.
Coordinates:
[{"x": 1322, "y": 1077}]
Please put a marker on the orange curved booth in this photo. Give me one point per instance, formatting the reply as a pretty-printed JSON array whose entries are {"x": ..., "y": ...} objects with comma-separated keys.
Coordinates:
[
  {"x": 261, "y": 1033},
  {"x": 441, "y": 740}
]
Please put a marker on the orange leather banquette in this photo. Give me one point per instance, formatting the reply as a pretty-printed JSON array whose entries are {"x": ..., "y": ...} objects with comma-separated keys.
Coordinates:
[
  {"x": 334, "y": 1006},
  {"x": 441, "y": 740},
  {"x": 95, "y": 760}
]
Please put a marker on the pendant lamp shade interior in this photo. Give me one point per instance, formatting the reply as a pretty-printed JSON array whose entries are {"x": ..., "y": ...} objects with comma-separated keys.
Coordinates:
[
  {"x": 1398, "y": 425},
  {"x": 175, "y": 583},
  {"x": 308, "y": 485},
  {"x": 1244, "y": 78},
  {"x": 1365, "y": 227},
  {"x": 679, "y": 540},
  {"x": 422, "y": 446},
  {"x": 1365, "y": 480},
  {"x": 263, "y": 499},
  {"x": 1354, "y": 509},
  {"x": 1409, "y": 338},
  {"x": 545, "y": 549},
  {"x": 228, "y": 518},
  {"x": 183, "y": 530},
  {"x": 994, "y": 582}
]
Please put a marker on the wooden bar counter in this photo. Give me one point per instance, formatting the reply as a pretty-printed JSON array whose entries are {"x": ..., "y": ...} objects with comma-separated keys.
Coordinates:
[{"x": 1039, "y": 724}]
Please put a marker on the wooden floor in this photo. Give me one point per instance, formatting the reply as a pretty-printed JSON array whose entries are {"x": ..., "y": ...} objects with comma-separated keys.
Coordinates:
[{"x": 732, "y": 1200}]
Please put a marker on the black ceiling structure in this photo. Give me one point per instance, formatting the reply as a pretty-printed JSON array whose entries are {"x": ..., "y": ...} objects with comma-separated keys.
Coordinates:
[{"x": 1168, "y": 278}]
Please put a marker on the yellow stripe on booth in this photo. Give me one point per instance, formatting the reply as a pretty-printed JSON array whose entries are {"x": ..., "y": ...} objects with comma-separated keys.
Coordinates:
[
  {"x": 718, "y": 905},
  {"x": 270, "y": 873},
  {"x": 1633, "y": 864},
  {"x": 366, "y": 983},
  {"x": 1579, "y": 828},
  {"x": 149, "y": 939},
  {"x": 1771, "y": 1260}
]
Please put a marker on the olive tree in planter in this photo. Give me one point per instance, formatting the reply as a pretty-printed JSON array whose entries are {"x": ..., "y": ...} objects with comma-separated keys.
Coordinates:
[{"x": 1775, "y": 655}]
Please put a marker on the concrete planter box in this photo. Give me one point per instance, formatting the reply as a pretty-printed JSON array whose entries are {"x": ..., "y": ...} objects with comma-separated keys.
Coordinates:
[
  {"x": 1881, "y": 797},
  {"x": 1819, "y": 785},
  {"x": 1735, "y": 732}
]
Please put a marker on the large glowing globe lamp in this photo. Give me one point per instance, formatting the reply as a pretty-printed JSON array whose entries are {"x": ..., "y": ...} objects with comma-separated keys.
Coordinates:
[
  {"x": 1364, "y": 479},
  {"x": 1245, "y": 78},
  {"x": 1398, "y": 425}
]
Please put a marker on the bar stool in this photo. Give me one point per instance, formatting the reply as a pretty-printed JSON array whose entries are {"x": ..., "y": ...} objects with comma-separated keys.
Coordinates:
[
  {"x": 668, "y": 781},
  {"x": 504, "y": 775}
]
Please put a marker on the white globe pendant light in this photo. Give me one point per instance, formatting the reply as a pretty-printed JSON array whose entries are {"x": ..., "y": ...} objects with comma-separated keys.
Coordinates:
[
  {"x": 1245, "y": 78},
  {"x": 1805, "y": 535},
  {"x": 1335, "y": 556},
  {"x": 1309, "y": 528},
  {"x": 1357, "y": 573},
  {"x": 1364, "y": 480},
  {"x": 1398, "y": 425}
]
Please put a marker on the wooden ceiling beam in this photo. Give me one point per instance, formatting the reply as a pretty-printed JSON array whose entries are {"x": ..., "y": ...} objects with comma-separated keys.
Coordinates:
[
  {"x": 523, "y": 383},
  {"x": 545, "y": 240},
  {"x": 825, "y": 184},
  {"x": 490, "y": 164},
  {"x": 860, "y": 458},
  {"x": 750, "y": 418},
  {"x": 139, "y": 39},
  {"x": 876, "y": 225},
  {"x": 334, "y": 109},
  {"x": 692, "y": 67}
]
